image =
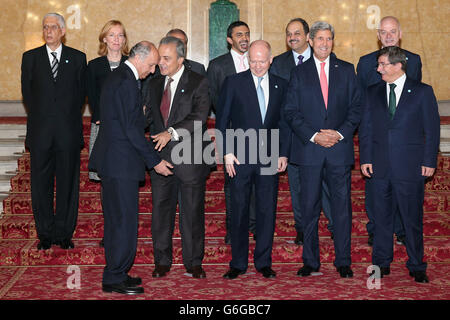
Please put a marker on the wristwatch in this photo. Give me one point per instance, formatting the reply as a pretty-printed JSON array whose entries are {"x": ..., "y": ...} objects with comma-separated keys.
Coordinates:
[{"x": 170, "y": 131}]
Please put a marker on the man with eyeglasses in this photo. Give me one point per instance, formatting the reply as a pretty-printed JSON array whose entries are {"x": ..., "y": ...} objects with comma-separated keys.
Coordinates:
[
  {"x": 399, "y": 141},
  {"x": 53, "y": 91},
  {"x": 389, "y": 34}
]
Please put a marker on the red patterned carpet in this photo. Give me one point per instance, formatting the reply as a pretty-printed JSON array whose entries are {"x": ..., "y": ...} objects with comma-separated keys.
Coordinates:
[{"x": 29, "y": 274}]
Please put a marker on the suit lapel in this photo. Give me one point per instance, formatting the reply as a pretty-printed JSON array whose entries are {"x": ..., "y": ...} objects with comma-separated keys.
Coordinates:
[
  {"x": 65, "y": 59},
  {"x": 230, "y": 64},
  {"x": 46, "y": 61},
  {"x": 252, "y": 95},
  {"x": 333, "y": 75},
  {"x": 179, "y": 94},
  {"x": 310, "y": 68},
  {"x": 404, "y": 98},
  {"x": 273, "y": 97}
]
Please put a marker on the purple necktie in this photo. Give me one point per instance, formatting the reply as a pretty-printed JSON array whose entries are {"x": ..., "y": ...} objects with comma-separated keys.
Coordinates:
[{"x": 300, "y": 59}]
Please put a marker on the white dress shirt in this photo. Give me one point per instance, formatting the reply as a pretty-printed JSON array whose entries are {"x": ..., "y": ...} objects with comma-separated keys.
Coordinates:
[
  {"x": 58, "y": 53},
  {"x": 264, "y": 86},
  {"x": 173, "y": 88},
  {"x": 400, "y": 82},
  {"x": 306, "y": 55},
  {"x": 237, "y": 60}
]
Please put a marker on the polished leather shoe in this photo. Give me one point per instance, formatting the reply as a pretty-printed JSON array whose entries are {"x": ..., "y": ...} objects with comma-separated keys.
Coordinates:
[
  {"x": 267, "y": 272},
  {"x": 345, "y": 272},
  {"x": 160, "y": 271},
  {"x": 401, "y": 240},
  {"x": 197, "y": 272},
  {"x": 44, "y": 244},
  {"x": 306, "y": 271},
  {"x": 134, "y": 281},
  {"x": 384, "y": 271},
  {"x": 299, "y": 239},
  {"x": 102, "y": 243},
  {"x": 66, "y": 244},
  {"x": 233, "y": 273},
  {"x": 124, "y": 287},
  {"x": 370, "y": 241},
  {"x": 419, "y": 276}
]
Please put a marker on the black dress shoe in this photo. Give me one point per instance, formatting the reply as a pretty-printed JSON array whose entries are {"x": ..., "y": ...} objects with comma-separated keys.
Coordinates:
[
  {"x": 134, "y": 281},
  {"x": 44, "y": 244},
  {"x": 233, "y": 273},
  {"x": 124, "y": 287},
  {"x": 345, "y": 272},
  {"x": 384, "y": 271},
  {"x": 66, "y": 244},
  {"x": 160, "y": 271},
  {"x": 102, "y": 243},
  {"x": 370, "y": 241},
  {"x": 419, "y": 276},
  {"x": 306, "y": 271},
  {"x": 197, "y": 272},
  {"x": 267, "y": 272},
  {"x": 299, "y": 239},
  {"x": 401, "y": 240}
]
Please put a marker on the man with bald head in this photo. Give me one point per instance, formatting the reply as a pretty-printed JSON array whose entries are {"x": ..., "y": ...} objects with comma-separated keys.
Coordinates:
[
  {"x": 120, "y": 155},
  {"x": 251, "y": 101},
  {"x": 389, "y": 33}
]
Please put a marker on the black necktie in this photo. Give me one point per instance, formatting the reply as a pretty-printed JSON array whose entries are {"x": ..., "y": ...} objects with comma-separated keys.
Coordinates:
[
  {"x": 54, "y": 66},
  {"x": 392, "y": 101}
]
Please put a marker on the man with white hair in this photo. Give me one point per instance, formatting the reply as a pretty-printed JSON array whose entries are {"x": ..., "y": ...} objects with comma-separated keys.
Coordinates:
[
  {"x": 53, "y": 93},
  {"x": 389, "y": 33}
]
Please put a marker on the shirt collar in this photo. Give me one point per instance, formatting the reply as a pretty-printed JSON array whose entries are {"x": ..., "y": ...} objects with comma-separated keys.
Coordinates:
[
  {"x": 58, "y": 51},
  {"x": 133, "y": 68},
  {"x": 306, "y": 54},
  {"x": 400, "y": 81},
  {"x": 318, "y": 62},
  {"x": 176, "y": 77},
  {"x": 237, "y": 55}
]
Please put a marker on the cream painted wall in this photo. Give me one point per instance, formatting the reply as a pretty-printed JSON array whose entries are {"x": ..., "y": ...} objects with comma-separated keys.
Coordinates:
[{"x": 424, "y": 24}]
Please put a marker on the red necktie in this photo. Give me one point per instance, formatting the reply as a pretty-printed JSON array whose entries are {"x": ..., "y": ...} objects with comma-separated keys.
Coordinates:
[
  {"x": 165, "y": 102},
  {"x": 324, "y": 83}
]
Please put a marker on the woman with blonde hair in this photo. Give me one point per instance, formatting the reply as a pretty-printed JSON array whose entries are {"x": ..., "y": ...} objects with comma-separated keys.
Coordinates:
[{"x": 113, "y": 50}]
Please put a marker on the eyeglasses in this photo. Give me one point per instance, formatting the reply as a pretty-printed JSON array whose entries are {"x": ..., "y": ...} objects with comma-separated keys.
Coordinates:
[{"x": 382, "y": 64}]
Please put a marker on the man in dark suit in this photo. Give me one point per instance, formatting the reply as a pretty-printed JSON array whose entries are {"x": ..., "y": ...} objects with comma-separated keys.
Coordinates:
[
  {"x": 189, "y": 64},
  {"x": 235, "y": 61},
  {"x": 119, "y": 156},
  {"x": 177, "y": 112},
  {"x": 53, "y": 91},
  {"x": 399, "y": 140},
  {"x": 323, "y": 110},
  {"x": 389, "y": 34},
  {"x": 251, "y": 101},
  {"x": 297, "y": 39}
]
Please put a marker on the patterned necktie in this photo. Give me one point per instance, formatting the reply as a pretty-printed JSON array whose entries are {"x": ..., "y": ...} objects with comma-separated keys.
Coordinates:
[
  {"x": 165, "y": 102},
  {"x": 324, "y": 84},
  {"x": 300, "y": 59},
  {"x": 54, "y": 66},
  {"x": 261, "y": 100},
  {"x": 392, "y": 101}
]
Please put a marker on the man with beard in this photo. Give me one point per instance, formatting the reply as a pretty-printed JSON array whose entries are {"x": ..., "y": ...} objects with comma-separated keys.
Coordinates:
[{"x": 235, "y": 61}]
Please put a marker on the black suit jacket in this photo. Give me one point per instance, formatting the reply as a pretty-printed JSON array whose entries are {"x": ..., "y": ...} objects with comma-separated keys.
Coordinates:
[
  {"x": 54, "y": 107},
  {"x": 283, "y": 64},
  {"x": 98, "y": 70},
  {"x": 367, "y": 68},
  {"x": 188, "y": 114},
  {"x": 121, "y": 149},
  {"x": 218, "y": 69}
]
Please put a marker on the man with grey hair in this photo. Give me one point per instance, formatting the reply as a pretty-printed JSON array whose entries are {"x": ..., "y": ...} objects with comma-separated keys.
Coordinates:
[
  {"x": 177, "y": 112},
  {"x": 397, "y": 163},
  {"x": 389, "y": 34},
  {"x": 54, "y": 92},
  {"x": 119, "y": 156},
  {"x": 323, "y": 110}
]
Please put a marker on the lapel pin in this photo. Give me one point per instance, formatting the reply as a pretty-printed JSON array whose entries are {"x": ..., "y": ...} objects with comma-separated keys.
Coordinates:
[
  {"x": 406, "y": 58},
  {"x": 336, "y": 66},
  {"x": 67, "y": 61},
  {"x": 182, "y": 90},
  {"x": 276, "y": 86},
  {"x": 409, "y": 90}
]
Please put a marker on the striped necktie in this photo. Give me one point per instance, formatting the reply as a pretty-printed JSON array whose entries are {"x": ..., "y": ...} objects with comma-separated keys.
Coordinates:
[{"x": 54, "y": 66}]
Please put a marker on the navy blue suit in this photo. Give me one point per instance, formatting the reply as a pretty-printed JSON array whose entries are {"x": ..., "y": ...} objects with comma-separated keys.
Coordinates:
[
  {"x": 306, "y": 114},
  {"x": 397, "y": 150},
  {"x": 119, "y": 156},
  {"x": 367, "y": 75},
  {"x": 238, "y": 108},
  {"x": 282, "y": 66}
]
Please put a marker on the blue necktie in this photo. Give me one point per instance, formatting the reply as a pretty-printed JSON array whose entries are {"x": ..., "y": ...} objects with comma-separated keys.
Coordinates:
[{"x": 262, "y": 103}]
